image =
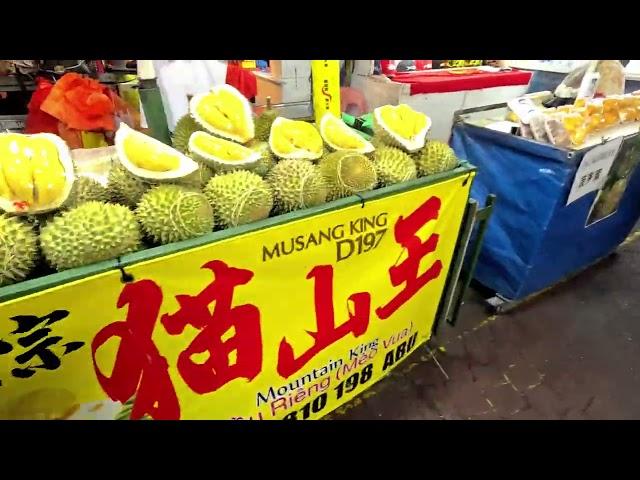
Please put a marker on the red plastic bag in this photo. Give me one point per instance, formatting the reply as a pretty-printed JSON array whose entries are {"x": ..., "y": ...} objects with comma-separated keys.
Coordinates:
[{"x": 37, "y": 120}]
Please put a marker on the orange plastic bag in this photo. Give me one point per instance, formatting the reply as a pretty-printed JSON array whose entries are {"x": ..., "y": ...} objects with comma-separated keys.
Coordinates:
[{"x": 81, "y": 103}]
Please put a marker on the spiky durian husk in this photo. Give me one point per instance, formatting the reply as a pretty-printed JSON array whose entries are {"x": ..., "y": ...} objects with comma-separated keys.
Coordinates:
[
  {"x": 90, "y": 233},
  {"x": 393, "y": 166},
  {"x": 346, "y": 173},
  {"x": 171, "y": 213},
  {"x": 296, "y": 184},
  {"x": 124, "y": 188},
  {"x": 18, "y": 249},
  {"x": 267, "y": 159},
  {"x": 239, "y": 197},
  {"x": 86, "y": 189},
  {"x": 197, "y": 179},
  {"x": 185, "y": 126},
  {"x": 263, "y": 124},
  {"x": 435, "y": 157}
]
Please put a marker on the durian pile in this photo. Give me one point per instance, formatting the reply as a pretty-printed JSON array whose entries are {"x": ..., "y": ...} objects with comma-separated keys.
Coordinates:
[{"x": 226, "y": 168}]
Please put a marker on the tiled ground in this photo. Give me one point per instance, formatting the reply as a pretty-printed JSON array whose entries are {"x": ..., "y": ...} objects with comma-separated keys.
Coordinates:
[{"x": 572, "y": 353}]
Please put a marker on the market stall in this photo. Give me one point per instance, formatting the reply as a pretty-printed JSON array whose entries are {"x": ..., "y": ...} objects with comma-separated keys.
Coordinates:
[
  {"x": 257, "y": 268},
  {"x": 567, "y": 196},
  {"x": 440, "y": 93}
]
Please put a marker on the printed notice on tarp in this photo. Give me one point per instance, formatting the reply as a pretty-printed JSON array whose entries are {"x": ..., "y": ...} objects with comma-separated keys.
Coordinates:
[{"x": 594, "y": 169}]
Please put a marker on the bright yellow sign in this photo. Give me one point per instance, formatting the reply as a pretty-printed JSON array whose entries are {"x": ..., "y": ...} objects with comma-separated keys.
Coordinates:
[
  {"x": 287, "y": 322},
  {"x": 326, "y": 88}
]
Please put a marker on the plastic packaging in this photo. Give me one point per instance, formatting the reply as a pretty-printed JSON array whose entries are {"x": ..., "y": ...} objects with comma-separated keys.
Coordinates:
[
  {"x": 612, "y": 78},
  {"x": 536, "y": 122},
  {"x": 556, "y": 131}
]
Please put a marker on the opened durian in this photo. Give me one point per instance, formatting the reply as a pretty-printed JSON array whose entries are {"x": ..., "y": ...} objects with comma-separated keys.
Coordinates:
[
  {"x": 435, "y": 157},
  {"x": 224, "y": 112},
  {"x": 393, "y": 166},
  {"x": 18, "y": 249},
  {"x": 295, "y": 139},
  {"x": 87, "y": 189},
  {"x": 266, "y": 161},
  {"x": 171, "y": 213},
  {"x": 239, "y": 197},
  {"x": 264, "y": 121},
  {"x": 90, "y": 233},
  {"x": 220, "y": 154},
  {"x": 297, "y": 184},
  {"x": 339, "y": 136},
  {"x": 185, "y": 126},
  {"x": 346, "y": 173},
  {"x": 36, "y": 173},
  {"x": 401, "y": 126},
  {"x": 149, "y": 159}
]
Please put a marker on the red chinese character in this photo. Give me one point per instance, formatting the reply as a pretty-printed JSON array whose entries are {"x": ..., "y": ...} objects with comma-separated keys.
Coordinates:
[
  {"x": 244, "y": 321},
  {"x": 327, "y": 332},
  {"x": 405, "y": 231},
  {"x": 139, "y": 367}
]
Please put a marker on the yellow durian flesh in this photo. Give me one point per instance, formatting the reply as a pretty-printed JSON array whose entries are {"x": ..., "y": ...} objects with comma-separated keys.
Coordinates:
[
  {"x": 33, "y": 174},
  {"x": 146, "y": 155},
  {"x": 403, "y": 120},
  {"x": 16, "y": 166},
  {"x": 48, "y": 172},
  {"x": 339, "y": 134},
  {"x": 225, "y": 110},
  {"x": 220, "y": 148},
  {"x": 291, "y": 136}
]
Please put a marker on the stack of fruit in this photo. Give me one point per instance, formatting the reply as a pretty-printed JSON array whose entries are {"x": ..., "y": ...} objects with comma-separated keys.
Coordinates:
[{"x": 226, "y": 169}]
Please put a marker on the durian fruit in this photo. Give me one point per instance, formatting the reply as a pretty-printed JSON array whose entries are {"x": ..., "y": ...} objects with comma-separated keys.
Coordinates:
[
  {"x": 339, "y": 136},
  {"x": 124, "y": 188},
  {"x": 224, "y": 112},
  {"x": 266, "y": 161},
  {"x": 295, "y": 139},
  {"x": 86, "y": 189},
  {"x": 185, "y": 126},
  {"x": 610, "y": 199},
  {"x": 347, "y": 173},
  {"x": 150, "y": 159},
  {"x": 239, "y": 197},
  {"x": 90, "y": 233},
  {"x": 36, "y": 173},
  {"x": 435, "y": 157},
  {"x": 264, "y": 121},
  {"x": 378, "y": 142},
  {"x": 18, "y": 249},
  {"x": 220, "y": 154},
  {"x": 393, "y": 166},
  {"x": 297, "y": 184},
  {"x": 197, "y": 179},
  {"x": 171, "y": 213},
  {"x": 401, "y": 126}
]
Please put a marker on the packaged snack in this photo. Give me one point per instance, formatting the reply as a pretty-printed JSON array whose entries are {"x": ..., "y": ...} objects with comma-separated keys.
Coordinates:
[
  {"x": 525, "y": 131},
  {"x": 536, "y": 122},
  {"x": 556, "y": 131}
]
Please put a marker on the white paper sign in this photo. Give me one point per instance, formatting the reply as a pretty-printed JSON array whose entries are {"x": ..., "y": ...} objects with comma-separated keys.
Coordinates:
[{"x": 594, "y": 169}]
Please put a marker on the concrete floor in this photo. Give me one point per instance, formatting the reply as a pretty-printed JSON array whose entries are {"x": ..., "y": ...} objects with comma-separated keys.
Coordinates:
[{"x": 572, "y": 353}]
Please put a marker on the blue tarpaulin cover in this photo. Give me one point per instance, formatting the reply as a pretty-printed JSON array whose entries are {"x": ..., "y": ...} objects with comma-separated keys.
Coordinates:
[{"x": 534, "y": 239}]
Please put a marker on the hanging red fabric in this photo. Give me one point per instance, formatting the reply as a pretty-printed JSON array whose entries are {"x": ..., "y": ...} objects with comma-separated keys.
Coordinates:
[{"x": 243, "y": 80}]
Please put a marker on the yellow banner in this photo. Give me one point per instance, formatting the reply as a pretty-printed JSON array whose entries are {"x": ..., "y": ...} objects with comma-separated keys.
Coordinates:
[
  {"x": 325, "y": 75},
  {"x": 286, "y": 322}
]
